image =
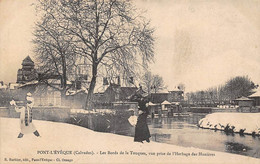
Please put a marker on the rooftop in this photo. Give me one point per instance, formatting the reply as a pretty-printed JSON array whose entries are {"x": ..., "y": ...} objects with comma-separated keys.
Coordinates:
[
  {"x": 28, "y": 61},
  {"x": 256, "y": 94},
  {"x": 243, "y": 99}
]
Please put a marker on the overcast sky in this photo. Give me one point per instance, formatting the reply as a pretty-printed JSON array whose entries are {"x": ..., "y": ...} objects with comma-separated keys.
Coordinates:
[{"x": 201, "y": 43}]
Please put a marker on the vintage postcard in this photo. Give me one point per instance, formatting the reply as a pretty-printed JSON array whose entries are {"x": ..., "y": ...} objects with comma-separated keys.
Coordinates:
[{"x": 129, "y": 81}]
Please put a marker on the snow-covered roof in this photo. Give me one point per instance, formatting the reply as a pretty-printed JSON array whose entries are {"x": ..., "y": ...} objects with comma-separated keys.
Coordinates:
[
  {"x": 74, "y": 92},
  {"x": 176, "y": 103},
  {"x": 57, "y": 81},
  {"x": 29, "y": 83},
  {"x": 151, "y": 104},
  {"x": 175, "y": 89},
  {"x": 257, "y": 94},
  {"x": 162, "y": 91},
  {"x": 166, "y": 102},
  {"x": 13, "y": 85},
  {"x": 50, "y": 81},
  {"x": 243, "y": 99}
]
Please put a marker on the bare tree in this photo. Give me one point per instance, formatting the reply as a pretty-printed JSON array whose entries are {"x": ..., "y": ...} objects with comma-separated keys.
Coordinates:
[
  {"x": 110, "y": 34},
  {"x": 53, "y": 49},
  {"x": 152, "y": 83}
]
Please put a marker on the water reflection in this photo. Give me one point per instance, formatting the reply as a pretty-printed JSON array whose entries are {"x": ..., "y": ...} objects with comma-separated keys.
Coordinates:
[
  {"x": 237, "y": 148},
  {"x": 183, "y": 131}
]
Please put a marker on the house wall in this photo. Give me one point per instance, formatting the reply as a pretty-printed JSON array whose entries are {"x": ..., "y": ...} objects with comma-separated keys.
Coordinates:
[
  {"x": 175, "y": 96},
  {"x": 41, "y": 113},
  {"x": 159, "y": 97},
  {"x": 155, "y": 109},
  {"x": 110, "y": 95},
  {"x": 42, "y": 94},
  {"x": 116, "y": 93},
  {"x": 245, "y": 103},
  {"x": 256, "y": 101},
  {"x": 49, "y": 97},
  {"x": 76, "y": 101},
  {"x": 125, "y": 105}
]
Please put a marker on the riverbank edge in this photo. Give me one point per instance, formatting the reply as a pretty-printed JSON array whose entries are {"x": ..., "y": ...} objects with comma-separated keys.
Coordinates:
[
  {"x": 241, "y": 123},
  {"x": 61, "y": 136}
]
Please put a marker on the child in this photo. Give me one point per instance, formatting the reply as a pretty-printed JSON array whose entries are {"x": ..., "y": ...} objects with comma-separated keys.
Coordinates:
[{"x": 26, "y": 123}]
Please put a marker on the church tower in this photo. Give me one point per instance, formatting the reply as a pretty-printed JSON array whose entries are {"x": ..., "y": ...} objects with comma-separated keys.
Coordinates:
[{"x": 27, "y": 73}]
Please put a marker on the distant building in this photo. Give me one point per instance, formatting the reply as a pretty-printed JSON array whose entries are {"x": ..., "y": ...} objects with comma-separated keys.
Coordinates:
[
  {"x": 44, "y": 87},
  {"x": 244, "y": 102},
  {"x": 166, "y": 108},
  {"x": 172, "y": 96},
  {"x": 43, "y": 94},
  {"x": 176, "y": 95},
  {"x": 158, "y": 98},
  {"x": 76, "y": 98},
  {"x": 116, "y": 92},
  {"x": 27, "y": 73},
  {"x": 165, "y": 104},
  {"x": 256, "y": 98}
]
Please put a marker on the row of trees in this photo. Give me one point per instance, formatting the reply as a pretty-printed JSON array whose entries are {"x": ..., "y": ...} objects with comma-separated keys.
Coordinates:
[
  {"x": 109, "y": 37},
  {"x": 234, "y": 88}
]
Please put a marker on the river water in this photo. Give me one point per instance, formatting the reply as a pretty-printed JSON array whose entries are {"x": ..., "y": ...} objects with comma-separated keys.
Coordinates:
[{"x": 183, "y": 131}]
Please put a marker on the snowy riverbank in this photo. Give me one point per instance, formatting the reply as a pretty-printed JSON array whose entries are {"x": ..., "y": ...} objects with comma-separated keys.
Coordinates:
[
  {"x": 243, "y": 123},
  {"x": 64, "y": 143}
]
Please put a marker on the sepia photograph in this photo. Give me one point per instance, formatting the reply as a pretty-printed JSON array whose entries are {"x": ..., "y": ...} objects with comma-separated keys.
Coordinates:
[{"x": 130, "y": 81}]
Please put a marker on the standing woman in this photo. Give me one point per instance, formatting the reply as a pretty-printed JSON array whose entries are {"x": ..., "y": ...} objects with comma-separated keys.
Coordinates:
[
  {"x": 26, "y": 123},
  {"x": 142, "y": 132}
]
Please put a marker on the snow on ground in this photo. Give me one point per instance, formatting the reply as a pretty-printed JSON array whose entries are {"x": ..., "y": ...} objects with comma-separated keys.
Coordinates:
[
  {"x": 65, "y": 143},
  {"x": 250, "y": 122}
]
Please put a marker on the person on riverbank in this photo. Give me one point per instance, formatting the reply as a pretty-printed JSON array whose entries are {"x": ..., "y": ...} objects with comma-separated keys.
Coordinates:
[
  {"x": 26, "y": 123},
  {"x": 142, "y": 132}
]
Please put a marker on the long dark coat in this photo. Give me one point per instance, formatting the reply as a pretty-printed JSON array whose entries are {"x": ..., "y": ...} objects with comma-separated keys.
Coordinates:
[{"x": 141, "y": 130}]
